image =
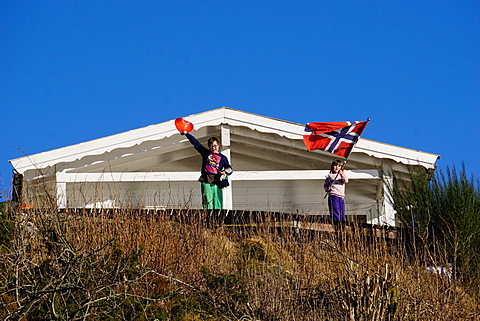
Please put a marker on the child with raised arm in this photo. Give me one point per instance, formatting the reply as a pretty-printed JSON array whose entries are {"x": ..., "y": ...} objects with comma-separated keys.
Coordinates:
[
  {"x": 335, "y": 187},
  {"x": 215, "y": 166}
]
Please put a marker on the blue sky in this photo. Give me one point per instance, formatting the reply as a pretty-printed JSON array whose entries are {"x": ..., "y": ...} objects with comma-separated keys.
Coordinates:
[{"x": 73, "y": 71}]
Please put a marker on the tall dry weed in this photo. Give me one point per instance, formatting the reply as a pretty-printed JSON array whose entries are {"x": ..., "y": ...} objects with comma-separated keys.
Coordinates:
[{"x": 190, "y": 265}]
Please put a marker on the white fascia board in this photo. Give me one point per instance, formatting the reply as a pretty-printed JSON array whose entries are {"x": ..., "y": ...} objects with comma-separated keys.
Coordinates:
[
  {"x": 264, "y": 124},
  {"x": 95, "y": 147},
  {"x": 300, "y": 175},
  {"x": 193, "y": 176},
  {"x": 133, "y": 137},
  {"x": 109, "y": 143},
  {"x": 234, "y": 117},
  {"x": 399, "y": 154},
  {"x": 295, "y": 131},
  {"x": 215, "y": 117},
  {"x": 131, "y": 177}
]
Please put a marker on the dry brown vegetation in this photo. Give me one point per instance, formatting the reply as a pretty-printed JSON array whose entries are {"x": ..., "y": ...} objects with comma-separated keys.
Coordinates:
[{"x": 189, "y": 265}]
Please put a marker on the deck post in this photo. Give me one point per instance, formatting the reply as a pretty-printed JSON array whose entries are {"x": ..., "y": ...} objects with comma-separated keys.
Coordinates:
[
  {"x": 227, "y": 191},
  {"x": 388, "y": 212},
  {"x": 61, "y": 189}
]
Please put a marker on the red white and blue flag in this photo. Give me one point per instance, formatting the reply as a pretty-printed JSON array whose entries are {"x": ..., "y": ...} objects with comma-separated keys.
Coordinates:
[{"x": 334, "y": 137}]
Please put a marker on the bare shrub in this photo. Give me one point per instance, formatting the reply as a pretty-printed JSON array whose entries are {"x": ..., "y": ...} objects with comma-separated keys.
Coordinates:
[{"x": 189, "y": 265}]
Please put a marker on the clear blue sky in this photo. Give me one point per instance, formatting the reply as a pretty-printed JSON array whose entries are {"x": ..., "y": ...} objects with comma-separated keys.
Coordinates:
[{"x": 73, "y": 71}]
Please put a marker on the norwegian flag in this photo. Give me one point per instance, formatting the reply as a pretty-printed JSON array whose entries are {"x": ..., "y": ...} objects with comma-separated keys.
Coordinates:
[{"x": 334, "y": 137}]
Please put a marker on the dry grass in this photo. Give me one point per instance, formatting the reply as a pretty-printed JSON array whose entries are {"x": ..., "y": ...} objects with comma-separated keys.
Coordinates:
[{"x": 187, "y": 265}]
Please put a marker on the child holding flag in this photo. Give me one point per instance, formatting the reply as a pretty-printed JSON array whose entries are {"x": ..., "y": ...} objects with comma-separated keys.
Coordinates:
[{"x": 335, "y": 187}]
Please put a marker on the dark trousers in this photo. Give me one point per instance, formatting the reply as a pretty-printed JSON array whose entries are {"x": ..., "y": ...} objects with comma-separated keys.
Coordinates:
[{"x": 336, "y": 207}]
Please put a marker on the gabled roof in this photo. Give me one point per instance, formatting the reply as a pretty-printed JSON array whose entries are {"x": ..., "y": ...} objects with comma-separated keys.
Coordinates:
[{"x": 244, "y": 124}]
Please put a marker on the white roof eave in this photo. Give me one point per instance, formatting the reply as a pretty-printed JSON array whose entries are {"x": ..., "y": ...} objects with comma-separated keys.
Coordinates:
[
  {"x": 399, "y": 154},
  {"x": 213, "y": 117},
  {"x": 94, "y": 147}
]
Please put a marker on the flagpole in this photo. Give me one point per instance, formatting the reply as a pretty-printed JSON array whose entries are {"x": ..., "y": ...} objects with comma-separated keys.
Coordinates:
[
  {"x": 368, "y": 119},
  {"x": 344, "y": 162}
]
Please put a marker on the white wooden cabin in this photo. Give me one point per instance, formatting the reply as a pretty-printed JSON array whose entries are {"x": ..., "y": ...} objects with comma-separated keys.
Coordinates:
[{"x": 155, "y": 167}]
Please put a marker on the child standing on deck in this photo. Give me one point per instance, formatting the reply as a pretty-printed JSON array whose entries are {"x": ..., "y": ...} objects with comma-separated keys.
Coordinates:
[
  {"x": 335, "y": 187},
  {"x": 215, "y": 167}
]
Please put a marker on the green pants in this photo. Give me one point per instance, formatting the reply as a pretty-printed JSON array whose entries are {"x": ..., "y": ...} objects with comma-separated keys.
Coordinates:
[{"x": 212, "y": 196}]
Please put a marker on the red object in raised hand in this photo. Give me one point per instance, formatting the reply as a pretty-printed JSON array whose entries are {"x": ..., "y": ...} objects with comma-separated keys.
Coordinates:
[{"x": 183, "y": 125}]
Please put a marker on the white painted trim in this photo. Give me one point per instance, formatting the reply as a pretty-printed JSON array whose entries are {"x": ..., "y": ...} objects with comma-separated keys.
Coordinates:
[
  {"x": 227, "y": 191},
  {"x": 300, "y": 175},
  {"x": 387, "y": 211},
  {"x": 193, "y": 176},
  {"x": 399, "y": 154},
  {"x": 225, "y": 134},
  {"x": 61, "y": 189},
  {"x": 214, "y": 117}
]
